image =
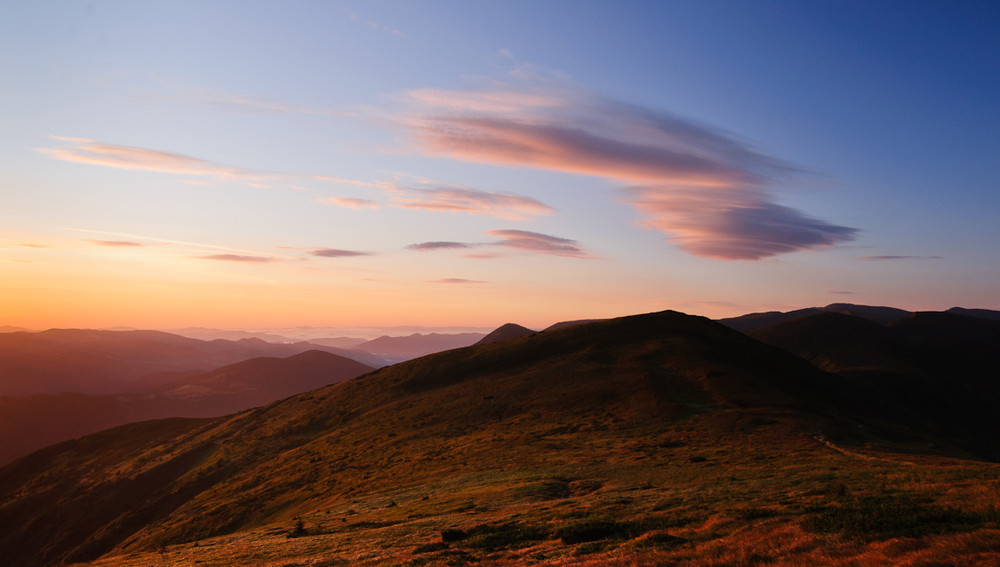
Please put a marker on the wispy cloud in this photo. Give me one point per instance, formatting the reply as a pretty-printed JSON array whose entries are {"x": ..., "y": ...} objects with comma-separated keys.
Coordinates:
[
  {"x": 334, "y": 253},
  {"x": 129, "y": 157},
  {"x": 117, "y": 243},
  {"x": 350, "y": 203},
  {"x": 178, "y": 245},
  {"x": 711, "y": 193},
  {"x": 522, "y": 240},
  {"x": 440, "y": 245},
  {"x": 460, "y": 199},
  {"x": 375, "y": 25},
  {"x": 252, "y": 104},
  {"x": 81, "y": 150},
  {"x": 238, "y": 258},
  {"x": 537, "y": 242},
  {"x": 895, "y": 257},
  {"x": 458, "y": 281}
]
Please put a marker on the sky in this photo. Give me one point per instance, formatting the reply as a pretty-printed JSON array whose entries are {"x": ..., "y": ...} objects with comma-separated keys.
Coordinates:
[{"x": 246, "y": 164}]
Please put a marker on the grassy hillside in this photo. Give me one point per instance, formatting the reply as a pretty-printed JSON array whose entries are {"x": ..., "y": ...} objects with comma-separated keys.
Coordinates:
[{"x": 644, "y": 440}]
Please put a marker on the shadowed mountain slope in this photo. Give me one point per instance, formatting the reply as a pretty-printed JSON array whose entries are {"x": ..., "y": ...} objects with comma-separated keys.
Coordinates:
[
  {"x": 933, "y": 370},
  {"x": 29, "y": 423},
  {"x": 563, "y": 442}
]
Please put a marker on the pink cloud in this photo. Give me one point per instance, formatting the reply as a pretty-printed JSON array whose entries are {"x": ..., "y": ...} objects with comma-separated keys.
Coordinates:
[
  {"x": 116, "y": 156},
  {"x": 238, "y": 258},
  {"x": 537, "y": 242},
  {"x": 522, "y": 240},
  {"x": 427, "y": 246},
  {"x": 334, "y": 253},
  {"x": 709, "y": 192},
  {"x": 733, "y": 224},
  {"x": 116, "y": 243},
  {"x": 458, "y": 281},
  {"x": 129, "y": 157},
  {"x": 458, "y": 199},
  {"x": 350, "y": 203}
]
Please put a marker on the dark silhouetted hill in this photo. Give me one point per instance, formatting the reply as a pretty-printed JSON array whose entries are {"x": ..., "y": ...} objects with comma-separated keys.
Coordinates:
[
  {"x": 751, "y": 321},
  {"x": 504, "y": 332},
  {"x": 980, "y": 313},
  {"x": 565, "y": 324}
]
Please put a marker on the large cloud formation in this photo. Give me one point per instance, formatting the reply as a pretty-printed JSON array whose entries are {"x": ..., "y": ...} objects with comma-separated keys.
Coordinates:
[{"x": 710, "y": 193}]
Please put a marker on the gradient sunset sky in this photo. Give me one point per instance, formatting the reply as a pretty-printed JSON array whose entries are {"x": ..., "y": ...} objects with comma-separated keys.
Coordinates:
[{"x": 250, "y": 164}]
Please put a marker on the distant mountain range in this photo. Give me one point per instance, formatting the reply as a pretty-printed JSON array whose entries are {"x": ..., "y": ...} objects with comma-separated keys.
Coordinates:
[
  {"x": 652, "y": 439},
  {"x": 64, "y": 383},
  {"x": 405, "y": 348},
  {"x": 107, "y": 362},
  {"x": 28, "y": 423}
]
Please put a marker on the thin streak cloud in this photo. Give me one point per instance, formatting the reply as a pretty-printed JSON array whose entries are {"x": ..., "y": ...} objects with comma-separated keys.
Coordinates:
[
  {"x": 334, "y": 253},
  {"x": 350, "y": 203},
  {"x": 143, "y": 159},
  {"x": 167, "y": 241},
  {"x": 537, "y": 242},
  {"x": 117, "y": 243},
  {"x": 459, "y": 199},
  {"x": 521, "y": 240},
  {"x": 895, "y": 257},
  {"x": 428, "y": 246},
  {"x": 238, "y": 258},
  {"x": 458, "y": 281},
  {"x": 261, "y": 105}
]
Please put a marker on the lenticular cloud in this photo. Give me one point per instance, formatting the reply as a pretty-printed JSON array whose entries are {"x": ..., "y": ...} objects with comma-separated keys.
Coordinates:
[{"x": 708, "y": 192}]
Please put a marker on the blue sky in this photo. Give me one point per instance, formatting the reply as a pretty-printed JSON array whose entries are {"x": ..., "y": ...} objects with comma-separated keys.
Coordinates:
[{"x": 437, "y": 163}]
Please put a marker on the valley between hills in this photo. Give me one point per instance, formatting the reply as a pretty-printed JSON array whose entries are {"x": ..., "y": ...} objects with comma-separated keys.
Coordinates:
[{"x": 845, "y": 435}]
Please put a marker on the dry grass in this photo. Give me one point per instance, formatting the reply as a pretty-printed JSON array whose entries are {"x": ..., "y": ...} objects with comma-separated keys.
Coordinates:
[{"x": 753, "y": 500}]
